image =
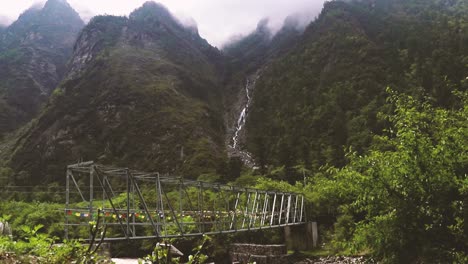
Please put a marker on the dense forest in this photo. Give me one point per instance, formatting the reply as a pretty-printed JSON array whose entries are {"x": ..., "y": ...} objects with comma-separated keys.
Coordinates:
[
  {"x": 364, "y": 112},
  {"x": 324, "y": 96}
]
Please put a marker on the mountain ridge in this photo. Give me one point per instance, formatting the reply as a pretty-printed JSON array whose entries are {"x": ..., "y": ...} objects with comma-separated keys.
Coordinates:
[
  {"x": 145, "y": 91},
  {"x": 131, "y": 98},
  {"x": 34, "y": 51}
]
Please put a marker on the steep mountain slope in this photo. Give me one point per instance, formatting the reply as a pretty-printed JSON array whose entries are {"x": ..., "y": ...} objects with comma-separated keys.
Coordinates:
[
  {"x": 246, "y": 57},
  {"x": 141, "y": 92},
  {"x": 146, "y": 92},
  {"x": 33, "y": 53},
  {"x": 325, "y": 94}
]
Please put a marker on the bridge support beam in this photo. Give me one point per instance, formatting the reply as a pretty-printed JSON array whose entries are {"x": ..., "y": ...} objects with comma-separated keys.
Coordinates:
[{"x": 301, "y": 237}]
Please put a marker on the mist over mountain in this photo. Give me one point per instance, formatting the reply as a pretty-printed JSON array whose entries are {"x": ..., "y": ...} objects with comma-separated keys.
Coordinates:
[
  {"x": 217, "y": 20},
  {"x": 3, "y": 21}
]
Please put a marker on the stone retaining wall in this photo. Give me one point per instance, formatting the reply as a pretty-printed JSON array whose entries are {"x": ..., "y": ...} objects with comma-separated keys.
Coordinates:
[{"x": 261, "y": 254}]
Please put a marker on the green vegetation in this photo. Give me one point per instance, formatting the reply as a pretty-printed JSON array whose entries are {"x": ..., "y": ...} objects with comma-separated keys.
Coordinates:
[
  {"x": 162, "y": 255},
  {"x": 40, "y": 248},
  {"x": 405, "y": 200},
  {"x": 386, "y": 171},
  {"x": 145, "y": 100},
  {"x": 383, "y": 170},
  {"x": 32, "y": 243},
  {"x": 402, "y": 201},
  {"x": 325, "y": 94}
]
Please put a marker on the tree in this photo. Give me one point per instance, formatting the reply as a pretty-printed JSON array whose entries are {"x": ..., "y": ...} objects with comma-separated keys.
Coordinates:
[{"x": 409, "y": 194}]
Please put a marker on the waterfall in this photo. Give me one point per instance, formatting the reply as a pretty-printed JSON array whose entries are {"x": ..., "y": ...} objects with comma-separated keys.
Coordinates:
[
  {"x": 234, "y": 140},
  {"x": 243, "y": 115}
]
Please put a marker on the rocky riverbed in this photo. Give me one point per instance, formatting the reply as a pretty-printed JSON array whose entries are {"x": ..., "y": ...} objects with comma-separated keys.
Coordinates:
[{"x": 338, "y": 260}]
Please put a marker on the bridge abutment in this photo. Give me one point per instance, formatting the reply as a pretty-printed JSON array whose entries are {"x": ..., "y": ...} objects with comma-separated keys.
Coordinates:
[{"x": 301, "y": 237}]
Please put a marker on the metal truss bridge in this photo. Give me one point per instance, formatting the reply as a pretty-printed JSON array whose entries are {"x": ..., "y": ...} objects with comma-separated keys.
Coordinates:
[{"x": 139, "y": 205}]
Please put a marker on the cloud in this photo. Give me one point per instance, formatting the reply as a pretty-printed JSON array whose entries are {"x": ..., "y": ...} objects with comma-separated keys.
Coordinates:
[
  {"x": 220, "y": 20},
  {"x": 217, "y": 20},
  {"x": 4, "y": 21}
]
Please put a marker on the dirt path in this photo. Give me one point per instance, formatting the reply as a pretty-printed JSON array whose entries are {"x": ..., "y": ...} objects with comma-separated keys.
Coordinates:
[{"x": 125, "y": 261}]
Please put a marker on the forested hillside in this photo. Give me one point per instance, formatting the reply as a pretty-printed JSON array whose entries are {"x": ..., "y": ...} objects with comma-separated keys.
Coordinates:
[
  {"x": 141, "y": 92},
  {"x": 369, "y": 110},
  {"x": 324, "y": 96}
]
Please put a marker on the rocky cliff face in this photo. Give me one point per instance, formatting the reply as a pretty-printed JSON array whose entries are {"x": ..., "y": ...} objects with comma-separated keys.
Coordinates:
[
  {"x": 142, "y": 92},
  {"x": 34, "y": 51}
]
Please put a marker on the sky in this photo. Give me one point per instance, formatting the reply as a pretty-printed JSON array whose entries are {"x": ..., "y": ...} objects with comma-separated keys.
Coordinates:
[{"x": 218, "y": 20}]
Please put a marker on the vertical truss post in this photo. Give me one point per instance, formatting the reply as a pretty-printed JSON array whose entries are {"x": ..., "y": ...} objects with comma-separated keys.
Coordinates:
[
  {"x": 181, "y": 203},
  {"x": 180, "y": 198},
  {"x": 104, "y": 199},
  {"x": 91, "y": 191},
  {"x": 160, "y": 205},
  {"x": 295, "y": 209},
  {"x": 273, "y": 210},
  {"x": 128, "y": 200},
  {"x": 256, "y": 208},
  {"x": 265, "y": 208},
  {"x": 234, "y": 217},
  {"x": 246, "y": 212},
  {"x": 217, "y": 215},
  {"x": 213, "y": 212},
  {"x": 253, "y": 211},
  {"x": 202, "y": 208},
  {"x": 281, "y": 209},
  {"x": 199, "y": 213},
  {"x": 288, "y": 209},
  {"x": 67, "y": 202},
  {"x": 302, "y": 208},
  {"x": 134, "y": 207}
]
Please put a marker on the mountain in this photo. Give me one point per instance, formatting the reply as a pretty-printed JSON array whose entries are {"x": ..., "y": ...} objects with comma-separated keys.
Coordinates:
[
  {"x": 324, "y": 95},
  {"x": 245, "y": 57},
  {"x": 146, "y": 92},
  {"x": 141, "y": 92},
  {"x": 34, "y": 51}
]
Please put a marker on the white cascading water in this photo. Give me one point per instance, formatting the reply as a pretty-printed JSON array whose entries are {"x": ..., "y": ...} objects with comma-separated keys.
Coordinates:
[{"x": 242, "y": 117}]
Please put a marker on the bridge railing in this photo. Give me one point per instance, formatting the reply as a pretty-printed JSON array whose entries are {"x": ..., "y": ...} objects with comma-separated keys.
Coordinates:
[{"x": 140, "y": 205}]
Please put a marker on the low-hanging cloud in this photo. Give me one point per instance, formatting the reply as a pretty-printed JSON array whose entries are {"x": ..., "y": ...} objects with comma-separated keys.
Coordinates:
[
  {"x": 4, "y": 21},
  {"x": 217, "y": 20}
]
